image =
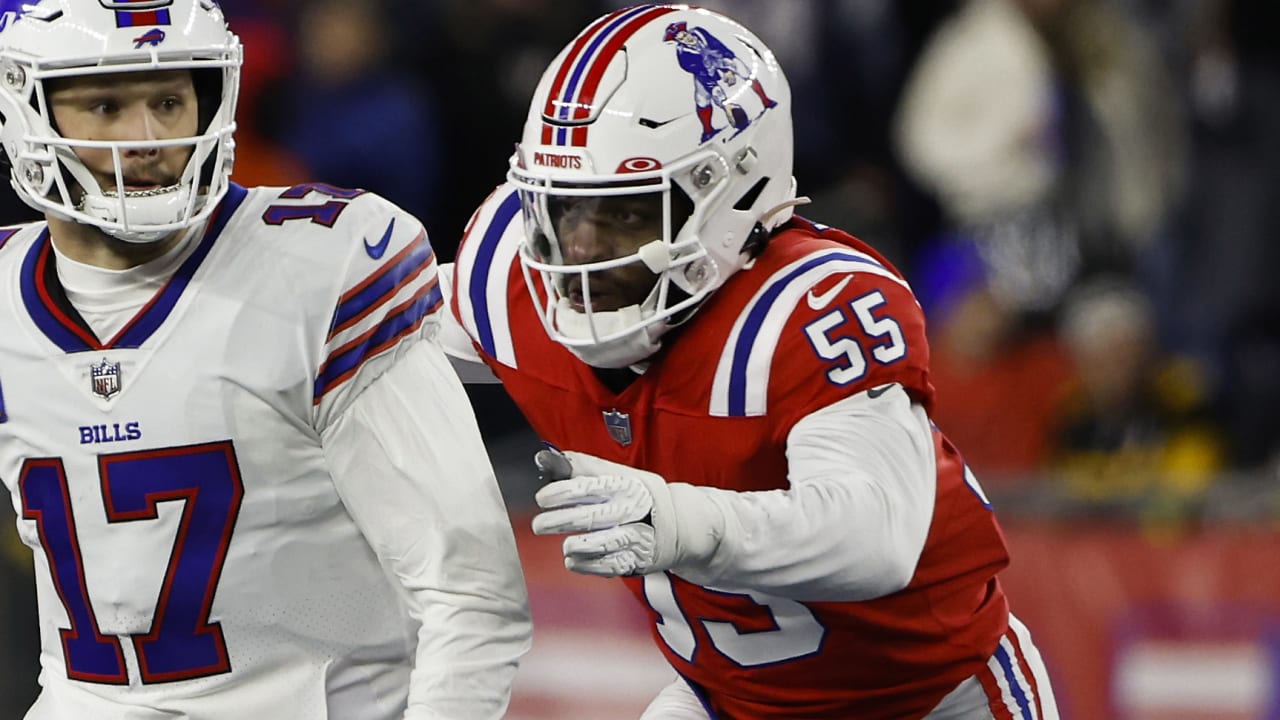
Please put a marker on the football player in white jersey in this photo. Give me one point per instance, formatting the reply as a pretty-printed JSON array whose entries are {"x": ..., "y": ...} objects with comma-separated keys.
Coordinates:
[
  {"x": 742, "y": 395},
  {"x": 253, "y": 486}
]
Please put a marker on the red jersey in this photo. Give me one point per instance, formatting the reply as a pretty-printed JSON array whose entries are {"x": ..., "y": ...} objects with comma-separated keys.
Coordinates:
[{"x": 817, "y": 317}]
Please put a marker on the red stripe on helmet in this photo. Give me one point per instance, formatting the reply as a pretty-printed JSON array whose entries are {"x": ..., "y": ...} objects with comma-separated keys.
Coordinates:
[
  {"x": 549, "y": 109},
  {"x": 600, "y": 63}
]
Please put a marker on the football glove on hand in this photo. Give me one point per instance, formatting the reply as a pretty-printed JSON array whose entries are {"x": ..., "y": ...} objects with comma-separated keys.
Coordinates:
[{"x": 622, "y": 520}]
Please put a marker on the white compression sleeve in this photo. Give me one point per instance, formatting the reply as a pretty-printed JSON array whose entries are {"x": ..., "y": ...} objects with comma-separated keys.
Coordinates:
[
  {"x": 854, "y": 521},
  {"x": 408, "y": 461}
]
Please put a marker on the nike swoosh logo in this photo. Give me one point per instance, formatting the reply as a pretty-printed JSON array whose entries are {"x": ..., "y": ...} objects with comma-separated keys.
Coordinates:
[
  {"x": 376, "y": 251},
  {"x": 817, "y": 302},
  {"x": 654, "y": 124},
  {"x": 876, "y": 392}
]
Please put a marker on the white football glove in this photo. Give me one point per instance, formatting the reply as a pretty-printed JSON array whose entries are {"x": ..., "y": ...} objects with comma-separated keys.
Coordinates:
[{"x": 622, "y": 520}]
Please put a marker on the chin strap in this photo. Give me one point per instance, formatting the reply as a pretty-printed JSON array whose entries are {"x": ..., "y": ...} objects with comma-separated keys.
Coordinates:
[
  {"x": 163, "y": 206},
  {"x": 793, "y": 202},
  {"x": 620, "y": 352},
  {"x": 760, "y": 234}
]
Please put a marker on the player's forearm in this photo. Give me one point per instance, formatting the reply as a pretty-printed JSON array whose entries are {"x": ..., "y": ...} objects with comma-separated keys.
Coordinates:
[
  {"x": 471, "y": 602},
  {"x": 852, "y": 525},
  {"x": 469, "y": 647},
  {"x": 469, "y": 596},
  {"x": 408, "y": 460}
]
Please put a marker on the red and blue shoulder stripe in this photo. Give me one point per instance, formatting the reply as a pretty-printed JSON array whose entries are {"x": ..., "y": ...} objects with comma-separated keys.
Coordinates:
[{"x": 378, "y": 312}]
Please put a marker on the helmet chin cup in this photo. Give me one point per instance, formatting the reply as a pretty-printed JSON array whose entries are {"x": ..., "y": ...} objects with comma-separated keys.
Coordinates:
[
  {"x": 71, "y": 38},
  {"x": 607, "y": 339},
  {"x": 682, "y": 101},
  {"x": 119, "y": 215}
]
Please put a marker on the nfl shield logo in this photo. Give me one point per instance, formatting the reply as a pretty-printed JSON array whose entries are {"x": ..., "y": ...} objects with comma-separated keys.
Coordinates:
[
  {"x": 106, "y": 378},
  {"x": 619, "y": 426}
]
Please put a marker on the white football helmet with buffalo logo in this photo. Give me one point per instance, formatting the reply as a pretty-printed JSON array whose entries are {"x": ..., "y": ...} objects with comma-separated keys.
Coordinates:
[
  {"x": 662, "y": 99},
  {"x": 45, "y": 39}
]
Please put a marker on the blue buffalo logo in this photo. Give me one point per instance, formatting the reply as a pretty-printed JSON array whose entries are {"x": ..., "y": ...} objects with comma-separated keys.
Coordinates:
[
  {"x": 716, "y": 72},
  {"x": 152, "y": 37}
]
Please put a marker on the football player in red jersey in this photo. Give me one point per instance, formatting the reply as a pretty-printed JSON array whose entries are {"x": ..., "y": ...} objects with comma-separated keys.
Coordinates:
[{"x": 742, "y": 396}]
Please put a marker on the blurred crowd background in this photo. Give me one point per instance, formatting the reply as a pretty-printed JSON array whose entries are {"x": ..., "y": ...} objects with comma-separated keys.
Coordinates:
[{"x": 1083, "y": 194}]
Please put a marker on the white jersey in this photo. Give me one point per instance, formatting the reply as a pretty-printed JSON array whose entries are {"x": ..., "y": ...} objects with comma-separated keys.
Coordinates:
[{"x": 204, "y": 548}]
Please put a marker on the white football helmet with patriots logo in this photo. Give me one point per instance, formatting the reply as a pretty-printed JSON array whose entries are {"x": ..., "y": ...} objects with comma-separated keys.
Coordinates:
[
  {"x": 45, "y": 39},
  {"x": 667, "y": 99}
]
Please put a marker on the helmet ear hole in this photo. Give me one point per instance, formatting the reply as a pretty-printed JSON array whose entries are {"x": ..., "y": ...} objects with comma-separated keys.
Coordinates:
[
  {"x": 758, "y": 238},
  {"x": 748, "y": 199}
]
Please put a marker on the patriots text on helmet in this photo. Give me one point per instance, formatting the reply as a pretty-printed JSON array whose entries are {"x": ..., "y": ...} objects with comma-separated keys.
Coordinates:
[{"x": 557, "y": 161}]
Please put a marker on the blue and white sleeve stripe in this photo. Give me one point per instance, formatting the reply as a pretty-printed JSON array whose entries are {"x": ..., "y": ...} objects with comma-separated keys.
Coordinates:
[{"x": 485, "y": 263}]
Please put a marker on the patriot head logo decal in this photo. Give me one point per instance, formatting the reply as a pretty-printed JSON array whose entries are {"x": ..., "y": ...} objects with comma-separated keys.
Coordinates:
[{"x": 716, "y": 72}]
